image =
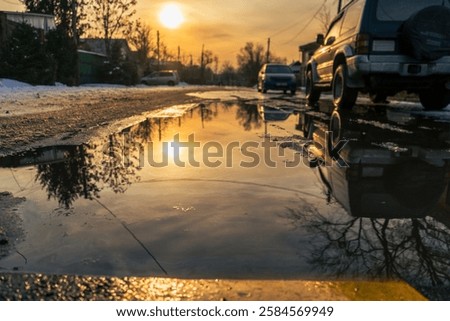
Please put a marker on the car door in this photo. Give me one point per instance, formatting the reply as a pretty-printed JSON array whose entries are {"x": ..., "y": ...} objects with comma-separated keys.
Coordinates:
[
  {"x": 325, "y": 54},
  {"x": 153, "y": 79},
  {"x": 164, "y": 77}
]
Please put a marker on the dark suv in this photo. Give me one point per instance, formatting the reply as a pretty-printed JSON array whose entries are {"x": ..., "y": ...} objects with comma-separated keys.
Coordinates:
[{"x": 382, "y": 47}]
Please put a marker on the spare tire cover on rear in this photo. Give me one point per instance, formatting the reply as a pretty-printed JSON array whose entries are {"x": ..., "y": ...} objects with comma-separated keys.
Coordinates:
[{"x": 426, "y": 34}]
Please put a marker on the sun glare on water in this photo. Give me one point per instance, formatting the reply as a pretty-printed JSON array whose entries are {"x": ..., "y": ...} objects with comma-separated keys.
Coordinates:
[{"x": 171, "y": 16}]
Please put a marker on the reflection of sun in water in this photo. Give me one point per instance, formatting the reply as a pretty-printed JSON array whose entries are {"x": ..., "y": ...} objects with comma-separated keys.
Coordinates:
[{"x": 171, "y": 16}]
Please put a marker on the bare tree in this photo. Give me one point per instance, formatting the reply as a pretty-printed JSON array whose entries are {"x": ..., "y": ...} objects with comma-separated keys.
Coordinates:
[
  {"x": 139, "y": 37},
  {"x": 228, "y": 74},
  {"x": 165, "y": 54},
  {"x": 206, "y": 58},
  {"x": 250, "y": 59},
  {"x": 324, "y": 16},
  {"x": 111, "y": 17}
]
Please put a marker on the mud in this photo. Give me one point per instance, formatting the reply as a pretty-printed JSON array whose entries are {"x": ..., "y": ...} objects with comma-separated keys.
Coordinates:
[
  {"x": 10, "y": 223},
  {"x": 81, "y": 116}
]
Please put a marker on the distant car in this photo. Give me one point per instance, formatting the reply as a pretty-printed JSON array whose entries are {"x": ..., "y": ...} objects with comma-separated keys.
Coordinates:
[
  {"x": 165, "y": 77},
  {"x": 276, "y": 77},
  {"x": 382, "y": 47}
]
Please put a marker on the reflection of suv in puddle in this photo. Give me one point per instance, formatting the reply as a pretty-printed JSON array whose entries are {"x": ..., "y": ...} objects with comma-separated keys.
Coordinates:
[
  {"x": 380, "y": 164},
  {"x": 382, "y": 47}
]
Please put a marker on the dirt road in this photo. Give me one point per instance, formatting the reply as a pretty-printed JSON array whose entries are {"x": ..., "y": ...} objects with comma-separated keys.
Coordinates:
[{"x": 76, "y": 113}]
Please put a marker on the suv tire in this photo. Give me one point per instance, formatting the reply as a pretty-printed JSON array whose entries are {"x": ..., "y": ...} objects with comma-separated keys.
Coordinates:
[
  {"x": 343, "y": 96},
  {"x": 311, "y": 92},
  {"x": 426, "y": 33},
  {"x": 435, "y": 99},
  {"x": 334, "y": 133}
]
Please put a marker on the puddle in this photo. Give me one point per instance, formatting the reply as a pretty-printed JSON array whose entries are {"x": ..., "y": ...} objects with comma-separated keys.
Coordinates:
[{"x": 226, "y": 190}]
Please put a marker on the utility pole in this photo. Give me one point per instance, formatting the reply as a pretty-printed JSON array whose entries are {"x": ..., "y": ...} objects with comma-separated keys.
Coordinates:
[
  {"x": 202, "y": 56},
  {"x": 202, "y": 67},
  {"x": 75, "y": 40},
  {"x": 268, "y": 51},
  {"x": 157, "y": 48},
  {"x": 179, "y": 53}
]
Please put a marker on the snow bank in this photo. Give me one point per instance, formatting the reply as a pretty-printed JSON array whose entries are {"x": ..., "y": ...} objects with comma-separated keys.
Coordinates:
[
  {"x": 10, "y": 83},
  {"x": 18, "y": 98}
]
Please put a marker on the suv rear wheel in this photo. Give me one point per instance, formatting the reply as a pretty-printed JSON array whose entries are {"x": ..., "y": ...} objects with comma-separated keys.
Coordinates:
[
  {"x": 343, "y": 96},
  {"x": 311, "y": 92},
  {"x": 435, "y": 99}
]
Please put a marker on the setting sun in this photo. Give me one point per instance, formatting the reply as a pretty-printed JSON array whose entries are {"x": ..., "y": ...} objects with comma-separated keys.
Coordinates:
[{"x": 171, "y": 16}]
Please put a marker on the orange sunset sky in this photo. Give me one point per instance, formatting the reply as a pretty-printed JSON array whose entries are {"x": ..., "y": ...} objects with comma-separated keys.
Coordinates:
[{"x": 224, "y": 26}]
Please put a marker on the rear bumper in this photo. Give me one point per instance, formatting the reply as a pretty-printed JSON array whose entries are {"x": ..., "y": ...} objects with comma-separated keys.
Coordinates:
[{"x": 404, "y": 70}]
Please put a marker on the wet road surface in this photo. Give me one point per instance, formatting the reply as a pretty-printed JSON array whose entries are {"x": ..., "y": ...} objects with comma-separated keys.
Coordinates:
[{"x": 244, "y": 190}]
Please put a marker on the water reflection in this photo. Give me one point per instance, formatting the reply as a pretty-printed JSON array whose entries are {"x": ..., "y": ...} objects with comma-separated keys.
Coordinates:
[
  {"x": 85, "y": 170},
  {"x": 416, "y": 249},
  {"x": 69, "y": 178},
  {"x": 395, "y": 189},
  {"x": 249, "y": 117},
  {"x": 269, "y": 114},
  {"x": 68, "y": 173},
  {"x": 391, "y": 174},
  {"x": 377, "y": 167}
]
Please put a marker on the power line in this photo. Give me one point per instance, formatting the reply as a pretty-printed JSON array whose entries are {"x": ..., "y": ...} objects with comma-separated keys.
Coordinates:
[
  {"x": 292, "y": 25},
  {"x": 307, "y": 24}
]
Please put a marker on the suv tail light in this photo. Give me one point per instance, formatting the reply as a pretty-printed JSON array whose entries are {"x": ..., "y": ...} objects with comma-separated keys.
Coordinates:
[{"x": 362, "y": 45}]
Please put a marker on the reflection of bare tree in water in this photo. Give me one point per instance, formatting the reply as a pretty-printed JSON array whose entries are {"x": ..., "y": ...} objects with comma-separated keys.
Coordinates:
[
  {"x": 85, "y": 171},
  {"x": 70, "y": 179},
  {"x": 146, "y": 131},
  {"x": 114, "y": 170},
  {"x": 113, "y": 163},
  {"x": 417, "y": 250},
  {"x": 249, "y": 117},
  {"x": 143, "y": 131}
]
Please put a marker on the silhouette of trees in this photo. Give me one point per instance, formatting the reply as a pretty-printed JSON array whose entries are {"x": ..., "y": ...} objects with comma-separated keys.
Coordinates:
[
  {"x": 62, "y": 43},
  {"x": 413, "y": 249},
  {"x": 139, "y": 36},
  {"x": 86, "y": 170},
  {"x": 250, "y": 60},
  {"x": 25, "y": 57},
  {"x": 70, "y": 179},
  {"x": 248, "y": 116},
  {"x": 110, "y": 18}
]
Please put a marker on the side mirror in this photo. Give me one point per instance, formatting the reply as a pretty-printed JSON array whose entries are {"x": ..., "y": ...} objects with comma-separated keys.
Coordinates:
[
  {"x": 320, "y": 39},
  {"x": 330, "y": 41}
]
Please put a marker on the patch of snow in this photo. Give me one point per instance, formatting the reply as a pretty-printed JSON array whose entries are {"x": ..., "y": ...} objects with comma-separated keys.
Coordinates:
[
  {"x": 382, "y": 126},
  {"x": 392, "y": 147},
  {"x": 172, "y": 111},
  {"x": 10, "y": 83},
  {"x": 227, "y": 95},
  {"x": 18, "y": 98}
]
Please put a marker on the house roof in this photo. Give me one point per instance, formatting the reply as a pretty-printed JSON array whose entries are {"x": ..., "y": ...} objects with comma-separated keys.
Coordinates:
[
  {"x": 26, "y": 14},
  {"x": 36, "y": 20},
  {"x": 97, "y": 45}
]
